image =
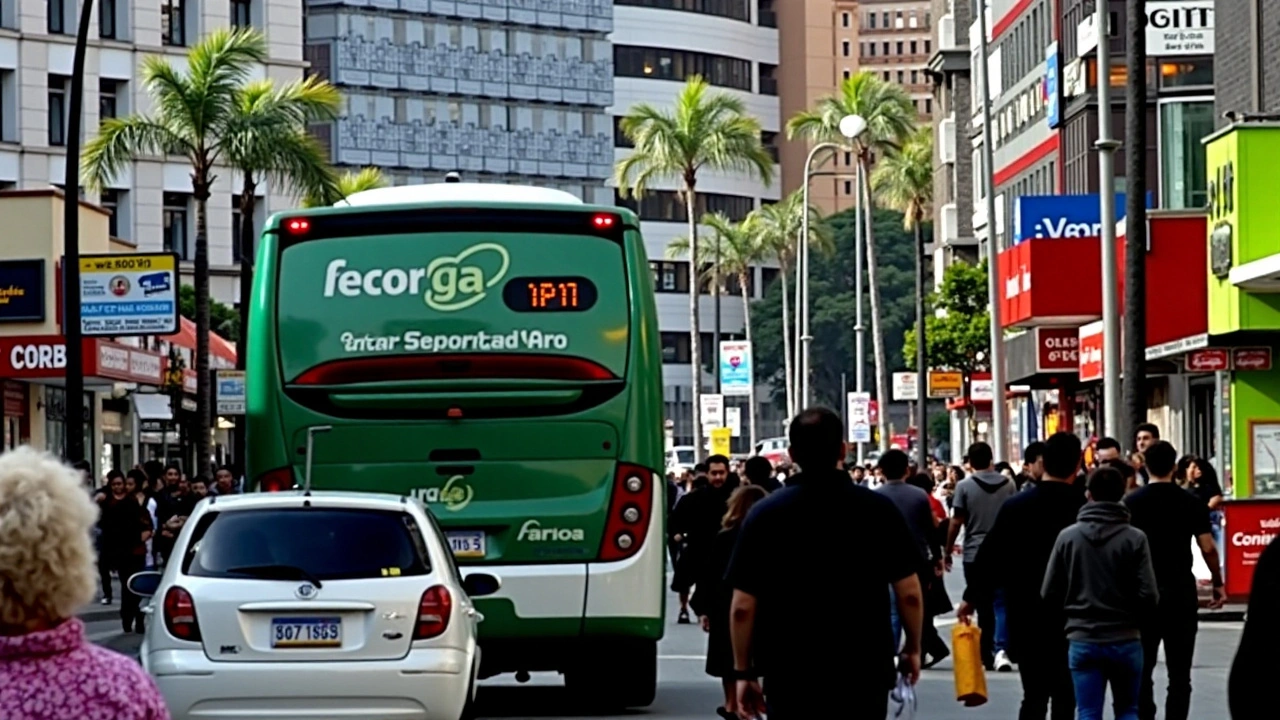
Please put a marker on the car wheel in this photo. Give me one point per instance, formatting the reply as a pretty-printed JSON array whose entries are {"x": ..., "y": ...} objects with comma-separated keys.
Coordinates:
[{"x": 617, "y": 676}]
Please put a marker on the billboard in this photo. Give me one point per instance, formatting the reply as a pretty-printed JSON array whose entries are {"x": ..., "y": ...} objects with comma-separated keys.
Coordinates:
[
  {"x": 129, "y": 294},
  {"x": 735, "y": 368},
  {"x": 1052, "y": 89},
  {"x": 1061, "y": 216}
]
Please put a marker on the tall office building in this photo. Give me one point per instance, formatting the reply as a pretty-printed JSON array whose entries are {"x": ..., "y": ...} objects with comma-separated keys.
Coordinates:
[
  {"x": 953, "y": 177},
  {"x": 657, "y": 45},
  {"x": 501, "y": 90},
  {"x": 150, "y": 200}
]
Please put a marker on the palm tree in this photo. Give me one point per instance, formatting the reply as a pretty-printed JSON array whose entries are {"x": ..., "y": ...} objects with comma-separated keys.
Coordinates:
[
  {"x": 737, "y": 250},
  {"x": 274, "y": 145},
  {"x": 904, "y": 181},
  {"x": 1134, "y": 332},
  {"x": 890, "y": 117},
  {"x": 195, "y": 118},
  {"x": 349, "y": 183},
  {"x": 778, "y": 227},
  {"x": 704, "y": 130}
]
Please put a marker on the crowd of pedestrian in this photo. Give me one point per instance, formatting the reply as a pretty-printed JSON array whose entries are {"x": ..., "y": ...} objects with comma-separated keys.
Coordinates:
[
  {"x": 1077, "y": 568},
  {"x": 141, "y": 513}
]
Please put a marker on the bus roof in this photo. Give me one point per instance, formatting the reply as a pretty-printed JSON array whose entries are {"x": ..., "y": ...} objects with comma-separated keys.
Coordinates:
[{"x": 459, "y": 192}]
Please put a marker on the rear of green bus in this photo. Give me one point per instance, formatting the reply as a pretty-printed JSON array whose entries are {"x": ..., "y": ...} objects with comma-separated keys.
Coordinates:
[{"x": 501, "y": 363}]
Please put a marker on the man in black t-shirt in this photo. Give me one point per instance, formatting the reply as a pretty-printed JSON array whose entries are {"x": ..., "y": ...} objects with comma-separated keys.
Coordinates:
[
  {"x": 1172, "y": 517},
  {"x": 839, "y": 546}
]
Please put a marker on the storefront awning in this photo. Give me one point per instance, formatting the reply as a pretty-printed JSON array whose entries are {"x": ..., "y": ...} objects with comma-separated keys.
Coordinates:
[
  {"x": 222, "y": 353},
  {"x": 152, "y": 407}
]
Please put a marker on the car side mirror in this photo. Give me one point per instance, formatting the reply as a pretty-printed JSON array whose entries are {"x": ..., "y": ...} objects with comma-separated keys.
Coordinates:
[
  {"x": 145, "y": 583},
  {"x": 481, "y": 584}
]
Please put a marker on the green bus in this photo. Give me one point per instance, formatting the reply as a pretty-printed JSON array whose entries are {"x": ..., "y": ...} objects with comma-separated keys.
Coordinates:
[{"x": 492, "y": 350}]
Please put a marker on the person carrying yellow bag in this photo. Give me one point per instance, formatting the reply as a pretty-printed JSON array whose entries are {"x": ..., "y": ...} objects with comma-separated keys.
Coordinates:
[{"x": 966, "y": 658}]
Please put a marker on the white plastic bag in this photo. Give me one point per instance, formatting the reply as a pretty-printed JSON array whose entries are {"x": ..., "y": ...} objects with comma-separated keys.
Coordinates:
[{"x": 902, "y": 700}]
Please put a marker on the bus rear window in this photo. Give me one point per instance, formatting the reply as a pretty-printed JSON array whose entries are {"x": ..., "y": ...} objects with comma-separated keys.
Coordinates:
[{"x": 451, "y": 297}]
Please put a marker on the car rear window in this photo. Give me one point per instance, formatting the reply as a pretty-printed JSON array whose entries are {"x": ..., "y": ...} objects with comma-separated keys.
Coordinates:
[{"x": 317, "y": 543}]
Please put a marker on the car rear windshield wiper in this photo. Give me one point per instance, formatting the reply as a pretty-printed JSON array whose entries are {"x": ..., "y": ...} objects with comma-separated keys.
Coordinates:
[{"x": 277, "y": 572}]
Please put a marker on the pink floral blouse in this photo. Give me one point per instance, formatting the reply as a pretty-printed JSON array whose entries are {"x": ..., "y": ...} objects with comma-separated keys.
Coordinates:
[{"x": 58, "y": 675}]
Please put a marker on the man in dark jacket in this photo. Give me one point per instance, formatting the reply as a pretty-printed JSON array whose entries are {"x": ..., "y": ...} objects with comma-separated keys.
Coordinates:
[
  {"x": 696, "y": 522},
  {"x": 1100, "y": 574},
  {"x": 1251, "y": 687},
  {"x": 1014, "y": 558}
]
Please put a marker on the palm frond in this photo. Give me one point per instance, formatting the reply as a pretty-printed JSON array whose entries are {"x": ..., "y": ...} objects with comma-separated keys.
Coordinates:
[
  {"x": 119, "y": 141},
  {"x": 903, "y": 179},
  {"x": 348, "y": 183}
]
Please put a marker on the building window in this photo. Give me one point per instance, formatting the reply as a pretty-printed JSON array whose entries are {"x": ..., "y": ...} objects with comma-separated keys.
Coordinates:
[
  {"x": 1182, "y": 157},
  {"x": 173, "y": 22},
  {"x": 620, "y": 138},
  {"x": 871, "y": 21},
  {"x": 667, "y": 206},
  {"x": 733, "y": 9},
  {"x": 176, "y": 224},
  {"x": 240, "y": 13},
  {"x": 844, "y": 19},
  {"x": 915, "y": 47},
  {"x": 667, "y": 64},
  {"x": 670, "y": 276},
  {"x": 108, "y": 97},
  {"x": 848, "y": 187},
  {"x": 110, "y": 201},
  {"x": 768, "y": 80},
  {"x": 770, "y": 142},
  {"x": 675, "y": 348},
  {"x": 57, "y": 111},
  {"x": 237, "y": 252},
  {"x": 847, "y": 74},
  {"x": 844, "y": 48},
  {"x": 928, "y": 106},
  {"x": 107, "y": 19},
  {"x": 1187, "y": 73},
  {"x": 57, "y": 10}
]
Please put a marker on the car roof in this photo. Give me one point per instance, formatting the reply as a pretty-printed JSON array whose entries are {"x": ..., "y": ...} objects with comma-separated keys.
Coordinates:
[{"x": 292, "y": 498}]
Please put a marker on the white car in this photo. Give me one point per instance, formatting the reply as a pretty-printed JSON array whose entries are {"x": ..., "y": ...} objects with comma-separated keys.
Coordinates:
[{"x": 312, "y": 605}]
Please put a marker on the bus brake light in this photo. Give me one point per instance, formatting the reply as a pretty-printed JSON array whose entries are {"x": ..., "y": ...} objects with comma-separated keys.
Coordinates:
[
  {"x": 603, "y": 222},
  {"x": 630, "y": 512},
  {"x": 298, "y": 226}
]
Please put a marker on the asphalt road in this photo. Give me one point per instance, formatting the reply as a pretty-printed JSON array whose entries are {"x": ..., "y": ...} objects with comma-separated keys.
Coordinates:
[{"x": 685, "y": 693}]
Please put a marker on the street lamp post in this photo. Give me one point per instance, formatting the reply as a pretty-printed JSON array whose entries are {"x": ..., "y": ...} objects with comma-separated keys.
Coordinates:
[
  {"x": 1107, "y": 146},
  {"x": 999, "y": 421},
  {"x": 851, "y": 126},
  {"x": 859, "y": 329},
  {"x": 71, "y": 330}
]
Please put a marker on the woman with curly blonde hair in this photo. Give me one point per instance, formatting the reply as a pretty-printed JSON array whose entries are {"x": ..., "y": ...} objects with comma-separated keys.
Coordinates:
[{"x": 48, "y": 670}]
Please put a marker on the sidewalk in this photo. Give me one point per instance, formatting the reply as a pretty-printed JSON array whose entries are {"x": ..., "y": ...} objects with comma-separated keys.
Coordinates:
[{"x": 97, "y": 612}]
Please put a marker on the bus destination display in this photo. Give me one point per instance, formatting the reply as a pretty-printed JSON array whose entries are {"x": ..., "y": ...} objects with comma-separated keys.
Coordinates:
[{"x": 549, "y": 294}]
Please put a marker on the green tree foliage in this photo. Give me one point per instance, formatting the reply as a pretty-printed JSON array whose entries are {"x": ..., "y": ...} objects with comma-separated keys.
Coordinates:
[
  {"x": 955, "y": 339},
  {"x": 832, "y": 314},
  {"x": 223, "y": 319}
]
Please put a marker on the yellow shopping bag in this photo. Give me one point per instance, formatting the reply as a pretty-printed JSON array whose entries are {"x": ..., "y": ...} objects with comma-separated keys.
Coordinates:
[{"x": 966, "y": 657}]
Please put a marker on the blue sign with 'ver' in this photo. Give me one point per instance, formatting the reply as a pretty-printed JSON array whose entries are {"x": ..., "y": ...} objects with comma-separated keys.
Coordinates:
[{"x": 1061, "y": 216}]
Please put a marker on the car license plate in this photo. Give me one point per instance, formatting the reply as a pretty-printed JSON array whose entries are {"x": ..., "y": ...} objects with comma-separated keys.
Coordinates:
[
  {"x": 467, "y": 544},
  {"x": 306, "y": 632}
]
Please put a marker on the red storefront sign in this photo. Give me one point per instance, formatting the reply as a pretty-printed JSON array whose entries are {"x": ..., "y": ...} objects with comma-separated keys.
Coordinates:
[
  {"x": 1208, "y": 360},
  {"x": 15, "y": 399},
  {"x": 1177, "y": 256},
  {"x": 1091, "y": 352},
  {"x": 1251, "y": 358},
  {"x": 1050, "y": 281},
  {"x": 1057, "y": 349},
  {"x": 1251, "y": 525},
  {"x": 41, "y": 357}
]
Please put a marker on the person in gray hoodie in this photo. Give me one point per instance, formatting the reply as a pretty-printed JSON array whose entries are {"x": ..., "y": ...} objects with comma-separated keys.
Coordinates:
[
  {"x": 1100, "y": 573},
  {"x": 976, "y": 503}
]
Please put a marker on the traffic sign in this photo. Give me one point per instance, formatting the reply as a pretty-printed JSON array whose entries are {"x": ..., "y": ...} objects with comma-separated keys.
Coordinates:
[
  {"x": 712, "y": 412},
  {"x": 905, "y": 387},
  {"x": 720, "y": 441},
  {"x": 733, "y": 418}
]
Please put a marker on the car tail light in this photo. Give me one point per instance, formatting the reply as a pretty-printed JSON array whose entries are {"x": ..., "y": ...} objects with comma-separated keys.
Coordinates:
[
  {"x": 180, "y": 615},
  {"x": 434, "y": 610},
  {"x": 278, "y": 480},
  {"x": 630, "y": 512}
]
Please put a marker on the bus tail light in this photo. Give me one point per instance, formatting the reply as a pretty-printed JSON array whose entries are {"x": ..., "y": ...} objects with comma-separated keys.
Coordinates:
[
  {"x": 604, "y": 222},
  {"x": 297, "y": 226},
  {"x": 278, "y": 480},
  {"x": 453, "y": 367},
  {"x": 180, "y": 615},
  {"x": 434, "y": 610},
  {"x": 630, "y": 512}
]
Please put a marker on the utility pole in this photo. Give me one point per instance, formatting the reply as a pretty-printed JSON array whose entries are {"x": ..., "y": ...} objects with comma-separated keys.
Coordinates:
[
  {"x": 999, "y": 412},
  {"x": 1107, "y": 146},
  {"x": 71, "y": 248},
  {"x": 1135, "y": 236}
]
